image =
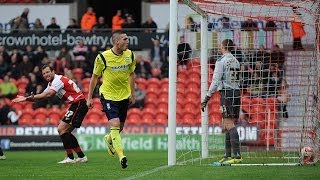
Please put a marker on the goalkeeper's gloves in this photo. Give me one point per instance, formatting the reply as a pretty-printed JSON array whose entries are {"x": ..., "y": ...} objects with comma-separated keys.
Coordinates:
[{"x": 204, "y": 103}]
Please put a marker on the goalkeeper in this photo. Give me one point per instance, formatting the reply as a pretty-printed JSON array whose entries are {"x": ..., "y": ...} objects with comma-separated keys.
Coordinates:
[{"x": 226, "y": 81}]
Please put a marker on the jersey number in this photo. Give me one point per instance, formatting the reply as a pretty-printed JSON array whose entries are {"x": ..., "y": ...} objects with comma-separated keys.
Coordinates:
[{"x": 234, "y": 73}]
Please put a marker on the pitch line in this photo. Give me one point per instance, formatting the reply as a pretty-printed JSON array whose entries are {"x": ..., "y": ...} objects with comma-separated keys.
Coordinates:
[{"x": 145, "y": 173}]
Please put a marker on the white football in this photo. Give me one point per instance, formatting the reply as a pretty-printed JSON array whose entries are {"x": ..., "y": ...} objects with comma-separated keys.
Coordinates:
[{"x": 308, "y": 155}]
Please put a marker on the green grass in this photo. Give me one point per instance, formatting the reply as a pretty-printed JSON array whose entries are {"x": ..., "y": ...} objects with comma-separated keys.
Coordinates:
[{"x": 142, "y": 165}]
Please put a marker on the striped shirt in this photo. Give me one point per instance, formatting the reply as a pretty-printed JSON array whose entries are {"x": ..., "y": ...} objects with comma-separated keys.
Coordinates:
[{"x": 226, "y": 74}]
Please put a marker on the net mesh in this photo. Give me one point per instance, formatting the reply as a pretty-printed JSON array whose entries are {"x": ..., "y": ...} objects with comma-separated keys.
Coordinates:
[{"x": 279, "y": 78}]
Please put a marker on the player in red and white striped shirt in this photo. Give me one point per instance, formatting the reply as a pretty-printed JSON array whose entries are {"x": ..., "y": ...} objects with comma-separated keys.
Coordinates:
[{"x": 67, "y": 90}]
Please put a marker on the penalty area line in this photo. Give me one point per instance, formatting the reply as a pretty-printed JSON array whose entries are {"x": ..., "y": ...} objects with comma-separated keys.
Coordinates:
[{"x": 145, "y": 173}]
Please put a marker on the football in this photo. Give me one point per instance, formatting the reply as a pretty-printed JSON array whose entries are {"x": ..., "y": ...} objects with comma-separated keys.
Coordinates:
[{"x": 307, "y": 155}]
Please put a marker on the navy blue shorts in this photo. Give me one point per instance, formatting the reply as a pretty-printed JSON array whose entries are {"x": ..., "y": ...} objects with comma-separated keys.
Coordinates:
[
  {"x": 230, "y": 103},
  {"x": 115, "y": 109}
]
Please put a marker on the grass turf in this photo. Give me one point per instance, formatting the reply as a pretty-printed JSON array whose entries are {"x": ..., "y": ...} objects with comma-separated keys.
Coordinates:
[{"x": 141, "y": 165}]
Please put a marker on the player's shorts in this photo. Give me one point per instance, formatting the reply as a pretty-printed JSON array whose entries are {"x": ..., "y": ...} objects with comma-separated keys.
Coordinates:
[
  {"x": 115, "y": 109},
  {"x": 230, "y": 103},
  {"x": 76, "y": 113}
]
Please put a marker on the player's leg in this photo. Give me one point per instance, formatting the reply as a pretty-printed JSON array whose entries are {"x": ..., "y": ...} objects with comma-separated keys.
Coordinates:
[
  {"x": 76, "y": 121},
  {"x": 113, "y": 110},
  {"x": 230, "y": 108},
  {"x": 2, "y": 156},
  {"x": 65, "y": 135}
]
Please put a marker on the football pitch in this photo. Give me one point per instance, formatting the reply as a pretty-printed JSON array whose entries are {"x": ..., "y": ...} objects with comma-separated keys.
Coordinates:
[{"x": 141, "y": 165}]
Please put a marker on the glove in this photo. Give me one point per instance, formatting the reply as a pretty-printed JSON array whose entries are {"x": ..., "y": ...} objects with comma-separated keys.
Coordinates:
[{"x": 204, "y": 103}]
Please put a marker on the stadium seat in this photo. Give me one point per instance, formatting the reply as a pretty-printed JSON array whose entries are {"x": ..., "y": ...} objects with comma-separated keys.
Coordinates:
[
  {"x": 147, "y": 116},
  {"x": 153, "y": 83},
  {"x": 142, "y": 83},
  {"x": 54, "y": 115},
  {"x": 182, "y": 75},
  {"x": 26, "y": 117},
  {"x": 22, "y": 83},
  {"x": 163, "y": 95},
  {"x": 77, "y": 73},
  {"x": 152, "y": 93},
  {"x": 18, "y": 106},
  {"x": 40, "y": 114},
  {"x": 161, "y": 119},
  {"x": 97, "y": 103},
  {"x": 271, "y": 104},
  {"x": 188, "y": 119},
  {"x": 134, "y": 116},
  {"x": 93, "y": 117},
  {"x": 215, "y": 119}
]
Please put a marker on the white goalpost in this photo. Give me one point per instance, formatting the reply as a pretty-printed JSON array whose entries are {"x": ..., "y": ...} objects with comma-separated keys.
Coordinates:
[{"x": 279, "y": 81}]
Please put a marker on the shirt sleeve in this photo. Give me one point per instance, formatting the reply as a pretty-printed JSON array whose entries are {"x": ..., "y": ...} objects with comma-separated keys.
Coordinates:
[
  {"x": 216, "y": 78},
  {"x": 98, "y": 66},
  {"x": 133, "y": 64},
  {"x": 56, "y": 85}
]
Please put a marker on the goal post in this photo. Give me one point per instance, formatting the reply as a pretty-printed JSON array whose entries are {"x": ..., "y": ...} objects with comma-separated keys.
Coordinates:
[{"x": 267, "y": 135}]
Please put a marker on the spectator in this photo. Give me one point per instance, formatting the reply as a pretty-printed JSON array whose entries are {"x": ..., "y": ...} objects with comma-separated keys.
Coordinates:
[
  {"x": 143, "y": 68},
  {"x": 165, "y": 68},
  {"x": 8, "y": 115},
  {"x": 117, "y": 21},
  {"x": 3, "y": 67},
  {"x": 256, "y": 87},
  {"x": 32, "y": 85},
  {"x": 156, "y": 54},
  {"x": 274, "y": 83},
  {"x": 283, "y": 98},
  {"x": 101, "y": 25},
  {"x": 262, "y": 55},
  {"x": 38, "y": 26},
  {"x": 225, "y": 24},
  {"x": 270, "y": 26},
  {"x": 24, "y": 16},
  {"x": 14, "y": 70},
  {"x": 40, "y": 53},
  {"x": 25, "y": 67},
  {"x": 73, "y": 27},
  {"x": 149, "y": 26},
  {"x": 53, "y": 27},
  {"x": 59, "y": 65},
  {"x": 29, "y": 52},
  {"x": 184, "y": 50},
  {"x": 4, "y": 54},
  {"x": 64, "y": 53},
  {"x": 80, "y": 52},
  {"x": 91, "y": 56},
  {"x": 249, "y": 25},
  {"x": 190, "y": 24},
  {"x": 277, "y": 56},
  {"x": 7, "y": 88},
  {"x": 129, "y": 24},
  {"x": 297, "y": 28},
  {"x": 140, "y": 97},
  {"x": 237, "y": 53},
  {"x": 88, "y": 20},
  {"x": 18, "y": 25}
]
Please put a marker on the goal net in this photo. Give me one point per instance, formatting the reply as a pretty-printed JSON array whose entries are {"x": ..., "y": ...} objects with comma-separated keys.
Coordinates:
[{"x": 279, "y": 79}]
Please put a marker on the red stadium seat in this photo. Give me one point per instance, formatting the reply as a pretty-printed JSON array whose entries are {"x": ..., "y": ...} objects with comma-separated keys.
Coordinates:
[
  {"x": 40, "y": 114},
  {"x": 155, "y": 72},
  {"x": 161, "y": 119},
  {"x": 54, "y": 115},
  {"x": 142, "y": 83},
  {"x": 147, "y": 116},
  {"x": 153, "y": 83},
  {"x": 22, "y": 83},
  {"x": 77, "y": 73},
  {"x": 134, "y": 116}
]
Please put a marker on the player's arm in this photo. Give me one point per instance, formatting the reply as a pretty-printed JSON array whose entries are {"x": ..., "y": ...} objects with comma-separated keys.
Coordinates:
[
  {"x": 97, "y": 70},
  {"x": 216, "y": 81},
  {"x": 132, "y": 80},
  {"x": 32, "y": 97}
]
